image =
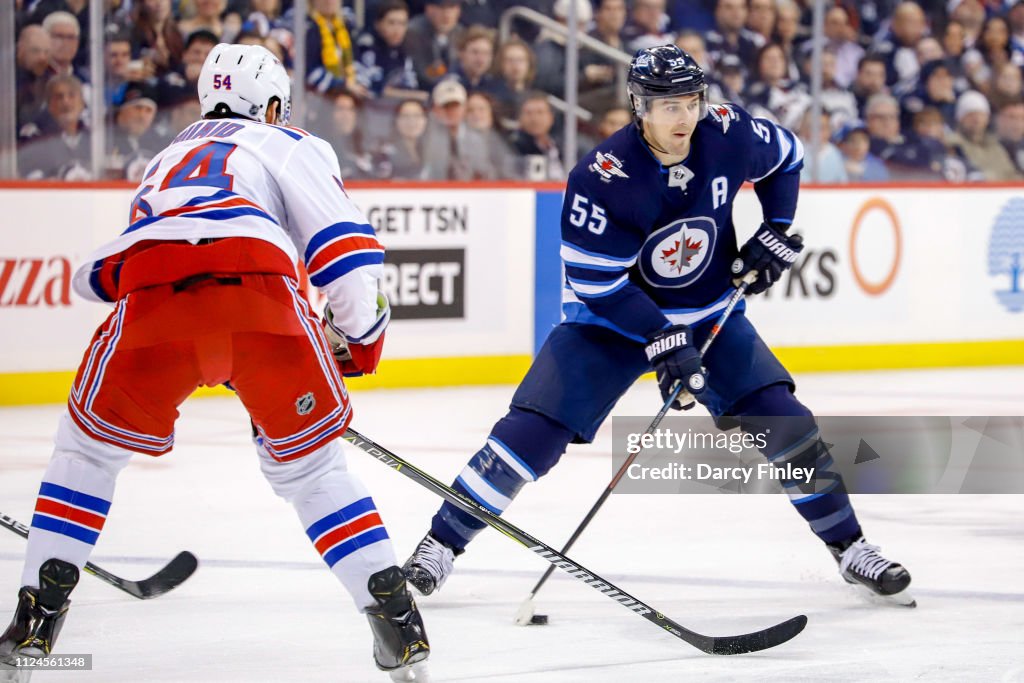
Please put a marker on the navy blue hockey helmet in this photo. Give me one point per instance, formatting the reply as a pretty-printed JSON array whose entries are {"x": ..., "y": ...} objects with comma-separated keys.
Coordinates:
[{"x": 663, "y": 71}]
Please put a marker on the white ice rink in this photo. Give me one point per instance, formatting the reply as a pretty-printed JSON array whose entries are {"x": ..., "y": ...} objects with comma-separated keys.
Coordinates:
[{"x": 263, "y": 607}]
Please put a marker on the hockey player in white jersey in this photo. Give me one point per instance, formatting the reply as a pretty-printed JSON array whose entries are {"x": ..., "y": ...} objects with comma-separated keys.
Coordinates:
[{"x": 205, "y": 286}]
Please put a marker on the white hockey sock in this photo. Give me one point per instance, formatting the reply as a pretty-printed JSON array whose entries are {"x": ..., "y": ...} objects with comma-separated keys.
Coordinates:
[
  {"x": 74, "y": 498},
  {"x": 338, "y": 514}
]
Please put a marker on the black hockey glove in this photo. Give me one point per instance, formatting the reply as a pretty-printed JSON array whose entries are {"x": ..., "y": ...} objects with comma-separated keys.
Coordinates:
[
  {"x": 768, "y": 253},
  {"x": 675, "y": 359}
]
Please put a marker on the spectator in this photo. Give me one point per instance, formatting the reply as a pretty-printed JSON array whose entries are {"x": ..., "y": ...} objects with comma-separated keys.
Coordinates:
[
  {"x": 454, "y": 151},
  {"x": 772, "y": 93},
  {"x": 928, "y": 50},
  {"x": 906, "y": 159},
  {"x": 517, "y": 67},
  {"x": 1007, "y": 85},
  {"x": 155, "y": 35},
  {"x": 1010, "y": 130},
  {"x": 729, "y": 84},
  {"x": 406, "y": 146},
  {"x": 347, "y": 134},
  {"x": 330, "y": 58},
  {"x": 612, "y": 121},
  {"x": 861, "y": 165},
  {"x": 981, "y": 147},
  {"x": 208, "y": 18},
  {"x": 898, "y": 47},
  {"x": 692, "y": 43},
  {"x": 57, "y": 145},
  {"x": 264, "y": 20},
  {"x": 475, "y": 51},
  {"x": 539, "y": 152},
  {"x": 870, "y": 81},
  {"x": 789, "y": 32},
  {"x": 731, "y": 37},
  {"x": 382, "y": 66},
  {"x": 990, "y": 53},
  {"x": 842, "y": 41},
  {"x": 761, "y": 18},
  {"x": 609, "y": 21},
  {"x": 181, "y": 84},
  {"x": 929, "y": 129},
  {"x": 1015, "y": 17},
  {"x": 133, "y": 143},
  {"x": 40, "y": 9},
  {"x": 269, "y": 42},
  {"x": 970, "y": 14},
  {"x": 431, "y": 40},
  {"x": 480, "y": 117},
  {"x": 33, "y": 70},
  {"x": 648, "y": 25},
  {"x": 936, "y": 90},
  {"x": 838, "y": 102},
  {"x": 828, "y": 164},
  {"x": 64, "y": 38},
  {"x": 550, "y": 47},
  {"x": 117, "y": 58}
]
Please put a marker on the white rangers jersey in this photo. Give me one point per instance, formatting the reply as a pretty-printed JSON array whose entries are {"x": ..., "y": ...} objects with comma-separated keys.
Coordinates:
[{"x": 242, "y": 178}]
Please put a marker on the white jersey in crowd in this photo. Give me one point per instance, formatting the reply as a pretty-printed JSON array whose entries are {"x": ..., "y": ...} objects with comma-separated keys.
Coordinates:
[{"x": 243, "y": 178}]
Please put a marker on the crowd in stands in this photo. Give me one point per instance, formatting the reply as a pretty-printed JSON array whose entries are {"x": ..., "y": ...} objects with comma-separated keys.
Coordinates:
[{"x": 912, "y": 90}]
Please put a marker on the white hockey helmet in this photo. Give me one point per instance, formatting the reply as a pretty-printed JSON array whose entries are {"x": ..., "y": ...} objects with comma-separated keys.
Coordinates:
[{"x": 242, "y": 79}]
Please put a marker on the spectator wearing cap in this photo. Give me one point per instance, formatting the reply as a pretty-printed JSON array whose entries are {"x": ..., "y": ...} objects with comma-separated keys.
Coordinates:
[
  {"x": 431, "y": 40},
  {"x": 550, "y": 46},
  {"x": 936, "y": 90},
  {"x": 647, "y": 26},
  {"x": 155, "y": 35},
  {"x": 181, "y": 84},
  {"x": 382, "y": 65},
  {"x": 57, "y": 145},
  {"x": 475, "y": 50},
  {"x": 330, "y": 56},
  {"x": 898, "y": 47},
  {"x": 861, "y": 165},
  {"x": 598, "y": 71},
  {"x": 33, "y": 70},
  {"x": 454, "y": 151},
  {"x": 133, "y": 143},
  {"x": 535, "y": 144},
  {"x": 1010, "y": 130},
  {"x": 870, "y": 81},
  {"x": 771, "y": 93},
  {"x": 731, "y": 36},
  {"x": 981, "y": 146},
  {"x": 516, "y": 67},
  {"x": 65, "y": 35}
]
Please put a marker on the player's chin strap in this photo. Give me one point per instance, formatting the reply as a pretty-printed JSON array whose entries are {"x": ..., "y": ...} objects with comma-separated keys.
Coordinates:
[{"x": 526, "y": 610}]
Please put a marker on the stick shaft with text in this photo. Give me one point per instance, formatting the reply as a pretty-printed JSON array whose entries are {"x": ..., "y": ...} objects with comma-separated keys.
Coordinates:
[
  {"x": 716, "y": 645},
  {"x": 525, "y": 614}
]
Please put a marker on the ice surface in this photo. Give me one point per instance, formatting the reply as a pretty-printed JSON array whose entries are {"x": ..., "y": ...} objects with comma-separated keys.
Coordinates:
[{"x": 262, "y": 607}]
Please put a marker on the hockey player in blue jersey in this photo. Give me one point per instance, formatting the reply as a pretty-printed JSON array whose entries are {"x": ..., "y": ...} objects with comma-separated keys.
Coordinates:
[{"x": 648, "y": 245}]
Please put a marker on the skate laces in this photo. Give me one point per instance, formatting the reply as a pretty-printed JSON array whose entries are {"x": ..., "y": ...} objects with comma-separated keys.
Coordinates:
[
  {"x": 435, "y": 557},
  {"x": 863, "y": 558}
]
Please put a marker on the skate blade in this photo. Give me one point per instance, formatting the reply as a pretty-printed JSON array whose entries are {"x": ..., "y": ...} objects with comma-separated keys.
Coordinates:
[
  {"x": 901, "y": 599},
  {"x": 413, "y": 673}
]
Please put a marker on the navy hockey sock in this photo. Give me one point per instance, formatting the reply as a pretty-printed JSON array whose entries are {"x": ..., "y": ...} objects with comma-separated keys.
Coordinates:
[
  {"x": 792, "y": 438},
  {"x": 522, "y": 446}
]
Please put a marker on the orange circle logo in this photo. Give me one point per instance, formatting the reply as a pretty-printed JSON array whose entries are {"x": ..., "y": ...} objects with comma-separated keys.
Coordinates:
[{"x": 876, "y": 288}]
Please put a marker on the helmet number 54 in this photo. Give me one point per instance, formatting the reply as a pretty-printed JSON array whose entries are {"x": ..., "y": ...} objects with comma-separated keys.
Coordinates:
[
  {"x": 221, "y": 81},
  {"x": 581, "y": 212}
]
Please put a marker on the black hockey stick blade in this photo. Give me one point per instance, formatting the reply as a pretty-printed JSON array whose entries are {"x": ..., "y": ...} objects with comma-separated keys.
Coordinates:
[
  {"x": 715, "y": 645},
  {"x": 172, "y": 575}
]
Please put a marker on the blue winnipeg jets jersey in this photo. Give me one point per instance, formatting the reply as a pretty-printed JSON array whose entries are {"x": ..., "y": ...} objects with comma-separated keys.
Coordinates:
[{"x": 646, "y": 245}]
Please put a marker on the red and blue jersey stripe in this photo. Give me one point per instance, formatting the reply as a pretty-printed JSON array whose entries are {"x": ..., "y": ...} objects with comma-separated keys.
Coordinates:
[
  {"x": 339, "y": 249},
  {"x": 345, "y": 531},
  {"x": 69, "y": 512}
]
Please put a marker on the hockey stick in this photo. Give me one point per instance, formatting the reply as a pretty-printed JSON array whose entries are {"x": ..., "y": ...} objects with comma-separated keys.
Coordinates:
[
  {"x": 172, "y": 575},
  {"x": 720, "y": 645},
  {"x": 525, "y": 613}
]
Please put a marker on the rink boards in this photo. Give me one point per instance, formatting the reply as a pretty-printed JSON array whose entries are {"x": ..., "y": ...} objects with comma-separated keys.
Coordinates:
[{"x": 891, "y": 277}]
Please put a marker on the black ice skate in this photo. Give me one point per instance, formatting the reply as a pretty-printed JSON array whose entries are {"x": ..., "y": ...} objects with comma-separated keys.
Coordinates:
[
  {"x": 38, "y": 617},
  {"x": 860, "y": 563},
  {"x": 430, "y": 564},
  {"x": 400, "y": 641}
]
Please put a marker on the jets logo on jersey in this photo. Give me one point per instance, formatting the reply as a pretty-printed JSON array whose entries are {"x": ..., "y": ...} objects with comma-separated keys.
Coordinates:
[
  {"x": 676, "y": 255},
  {"x": 608, "y": 166},
  {"x": 723, "y": 113}
]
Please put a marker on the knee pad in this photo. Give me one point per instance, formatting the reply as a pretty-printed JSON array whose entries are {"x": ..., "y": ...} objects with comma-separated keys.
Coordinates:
[
  {"x": 75, "y": 445},
  {"x": 291, "y": 478},
  {"x": 537, "y": 441}
]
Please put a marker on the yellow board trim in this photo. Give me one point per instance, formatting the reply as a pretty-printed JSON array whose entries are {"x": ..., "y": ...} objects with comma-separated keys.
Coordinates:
[{"x": 30, "y": 388}]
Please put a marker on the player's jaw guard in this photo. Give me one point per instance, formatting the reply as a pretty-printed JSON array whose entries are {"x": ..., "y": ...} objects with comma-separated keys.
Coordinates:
[{"x": 663, "y": 71}]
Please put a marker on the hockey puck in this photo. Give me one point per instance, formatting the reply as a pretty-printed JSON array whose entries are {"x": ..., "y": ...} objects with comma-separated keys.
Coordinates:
[{"x": 539, "y": 619}]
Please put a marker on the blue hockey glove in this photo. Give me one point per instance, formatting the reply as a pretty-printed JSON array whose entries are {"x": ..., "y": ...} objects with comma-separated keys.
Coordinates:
[
  {"x": 768, "y": 253},
  {"x": 675, "y": 359}
]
